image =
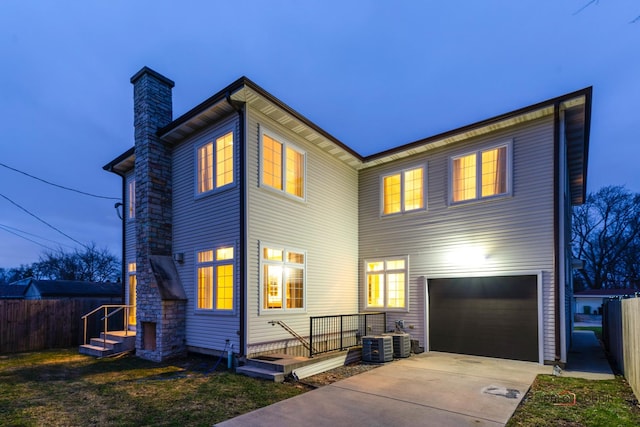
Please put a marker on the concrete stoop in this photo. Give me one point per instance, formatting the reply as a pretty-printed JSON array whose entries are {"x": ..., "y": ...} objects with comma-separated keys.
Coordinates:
[
  {"x": 276, "y": 367},
  {"x": 114, "y": 342}
]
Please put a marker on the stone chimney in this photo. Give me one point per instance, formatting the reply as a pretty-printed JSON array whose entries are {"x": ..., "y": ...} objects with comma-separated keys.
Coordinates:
[{"x": 160, "y": 331}]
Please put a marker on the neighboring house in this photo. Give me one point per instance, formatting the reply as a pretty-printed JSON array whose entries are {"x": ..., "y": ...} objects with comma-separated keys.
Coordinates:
[
  {"x": 32, "y": 289},
  {"x": 591, "y": 300},
  {"x": 242, "y": 212},
  {"x": 12, "y": 291}
]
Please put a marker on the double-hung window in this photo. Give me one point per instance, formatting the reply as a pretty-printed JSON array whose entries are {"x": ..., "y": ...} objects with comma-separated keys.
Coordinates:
[
  {"x": 386, "y": 285},
  {"x": 215, "y": 279},
  {"x": 282, "y": 278},
  {"x": 481, "y": 174},
  {"x": 215, "y": 164},
  {"x": 282, "y": 166},
  {"x": 403, "y": 191}
]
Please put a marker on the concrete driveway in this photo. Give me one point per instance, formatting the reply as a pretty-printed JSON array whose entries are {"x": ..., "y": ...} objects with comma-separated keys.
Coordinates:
[{"x": 437, "y": 389}]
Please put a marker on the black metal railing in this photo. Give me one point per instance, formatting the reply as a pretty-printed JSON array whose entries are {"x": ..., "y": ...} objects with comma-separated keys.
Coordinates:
[{"x": 339, "y": 332}]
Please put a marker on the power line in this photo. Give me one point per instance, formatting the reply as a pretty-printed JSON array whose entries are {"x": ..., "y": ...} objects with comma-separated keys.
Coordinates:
[
  {"x": 43, "y": 221},
  {"x": 59, "y": 186},
  {"x": 25, "y": 238},
  {"x": 5, "y": 227}
]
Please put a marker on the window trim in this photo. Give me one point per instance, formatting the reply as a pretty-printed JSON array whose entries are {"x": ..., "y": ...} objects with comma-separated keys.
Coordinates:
[
  {"x": 401, "y": 172},
  {"x": 478, "y": 185},
  {"x": 286, "y": 143},
  {"x": 214, "y": 291},
  {"x": 131, "y": 199},
  {"x": 385, "y": 307},
  {"x": 283, "y": 310},
  {"x": 211, "y": 139}
]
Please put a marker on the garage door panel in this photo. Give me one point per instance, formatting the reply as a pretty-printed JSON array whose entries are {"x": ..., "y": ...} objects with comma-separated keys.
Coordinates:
[{"x": 486, "y": 316}]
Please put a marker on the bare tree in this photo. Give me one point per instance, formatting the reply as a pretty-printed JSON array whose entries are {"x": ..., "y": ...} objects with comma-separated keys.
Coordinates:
[
  {"x": 606, "y": 236},
  {"x": 92, "y": 265}
]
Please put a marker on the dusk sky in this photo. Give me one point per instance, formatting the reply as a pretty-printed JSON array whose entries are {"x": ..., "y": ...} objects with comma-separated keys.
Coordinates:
[{"x": 374, "y": 74}]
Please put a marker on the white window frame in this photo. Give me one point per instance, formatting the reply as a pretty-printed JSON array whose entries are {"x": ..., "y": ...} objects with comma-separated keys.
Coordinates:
[
  {"x": 214, "y": 291},
  {"x": 283, "y": 309},
  {"x": 131, "y": 199},
  {"x": 283, "y": 164},
  {"x": 211, "y": 139},
  {"x": 401, "y": 172},
  {"x": 478, "y": 189},
  {"x": 385, "y": 271}
]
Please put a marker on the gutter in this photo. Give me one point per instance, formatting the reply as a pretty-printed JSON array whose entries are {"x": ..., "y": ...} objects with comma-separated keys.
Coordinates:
[{"x": 242, "y": 330}]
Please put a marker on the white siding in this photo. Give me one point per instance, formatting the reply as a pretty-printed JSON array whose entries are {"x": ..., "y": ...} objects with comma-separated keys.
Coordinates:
[
  {"x": 203, "y": 223},
  {"x": 130, "y": 234},
  {"x": 515, "y": 232},
  {"x": 325, "y": 225}
]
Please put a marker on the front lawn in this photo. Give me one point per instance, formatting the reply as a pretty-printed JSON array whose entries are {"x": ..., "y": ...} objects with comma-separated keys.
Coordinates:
[
  {"x": 64, "y": 388},
  {"x": 563, "y": 401}
]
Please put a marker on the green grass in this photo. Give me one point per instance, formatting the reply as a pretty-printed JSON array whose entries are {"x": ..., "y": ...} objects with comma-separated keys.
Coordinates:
[
  {"x": 550, "y": 402},
  {"x": 64, "y": 388}
]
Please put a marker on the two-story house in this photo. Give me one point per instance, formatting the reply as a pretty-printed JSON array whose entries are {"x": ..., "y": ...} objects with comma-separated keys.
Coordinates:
[{"x": 242, "y": 213}]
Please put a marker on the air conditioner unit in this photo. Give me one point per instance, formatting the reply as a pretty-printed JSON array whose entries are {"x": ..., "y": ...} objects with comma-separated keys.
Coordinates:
[
  {"x": 378, "y": 348},
  {"x": 401, "y": 344}
]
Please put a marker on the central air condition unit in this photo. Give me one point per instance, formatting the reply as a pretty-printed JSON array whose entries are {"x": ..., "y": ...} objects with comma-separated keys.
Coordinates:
[
  {"x": 378, "y": 348},
  {"x": 401, "y": 344}
]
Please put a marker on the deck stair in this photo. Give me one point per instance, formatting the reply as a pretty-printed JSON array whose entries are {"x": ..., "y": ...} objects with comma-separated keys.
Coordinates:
[
  {"x": 276, "y": 367},
  {"x": 109, "y": 344}
]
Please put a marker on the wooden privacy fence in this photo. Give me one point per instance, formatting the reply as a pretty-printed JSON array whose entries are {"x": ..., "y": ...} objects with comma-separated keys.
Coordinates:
[
  {"x": 32, "y": 325},
  {"x": 621, "y": 335}
]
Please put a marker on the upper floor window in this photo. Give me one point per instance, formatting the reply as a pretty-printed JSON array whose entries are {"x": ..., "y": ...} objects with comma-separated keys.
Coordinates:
[
  {"x": 283, "y": 278},
  {"x": 387, "y": 283},
  {"x": 283, "y": 166},
  {"x": 215, "y": 163},
  {"x": 215, "y": 279},
  {"x": 403, "y": 191},
  {"x": 131, "y": 205},
  {"x": 480, "y": 174}
]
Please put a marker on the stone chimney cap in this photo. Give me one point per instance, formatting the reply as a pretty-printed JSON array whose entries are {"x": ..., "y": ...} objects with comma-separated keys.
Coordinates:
[{"x": 155, "y": 74}]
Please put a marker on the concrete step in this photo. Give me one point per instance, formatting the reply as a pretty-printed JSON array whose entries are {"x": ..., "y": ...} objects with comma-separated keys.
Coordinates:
[
  {"x": 95, "y": 351},
  {"x": 257, "y": 372},
  {"x": 99, "y": 342}
]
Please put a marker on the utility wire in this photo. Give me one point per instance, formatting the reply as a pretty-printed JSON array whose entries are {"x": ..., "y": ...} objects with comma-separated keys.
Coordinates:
[
  {"x": 25, "y": 238},
  {"x": 59, "y": 186},
  {"x": 5, "y": 227},
  {"x": 43, "y": 221}
]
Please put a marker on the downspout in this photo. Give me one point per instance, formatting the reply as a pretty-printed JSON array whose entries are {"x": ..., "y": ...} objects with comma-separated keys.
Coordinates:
[
  {"x": 556, "y": 228},
  {"x": 124, "y": 228},
  {"x": 243, "y": 225}
]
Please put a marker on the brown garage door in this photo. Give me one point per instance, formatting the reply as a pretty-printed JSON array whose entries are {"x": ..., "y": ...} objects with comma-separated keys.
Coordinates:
[{"x": 485, "y": 316}]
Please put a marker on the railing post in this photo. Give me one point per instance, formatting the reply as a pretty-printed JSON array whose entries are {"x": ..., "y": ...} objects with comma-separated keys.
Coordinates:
[
  {"x": 85, "y": 330},
  {"x": 104, "y": 335},
  {"x": 310, "y": 337},
  {"x": 341, "y": 332}
]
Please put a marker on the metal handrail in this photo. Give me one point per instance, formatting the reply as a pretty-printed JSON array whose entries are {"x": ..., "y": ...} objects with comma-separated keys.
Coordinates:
[{"x": 105, "y": 319}]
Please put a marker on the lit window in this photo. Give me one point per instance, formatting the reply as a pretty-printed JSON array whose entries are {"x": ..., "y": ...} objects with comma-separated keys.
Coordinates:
[
  {"x": 283, "y": 167},
  {"x": 132, "y": 199},
  {"x": 283, "y": 279},
  {"x": 132, "y": 293},
  {"x": 209, "y": 177},
  {"x": 387, "y": 283},
  {"x": 481, "y": 174},
  {"x": 215, "y": 279},
  {"x": 403, "y": 191}
]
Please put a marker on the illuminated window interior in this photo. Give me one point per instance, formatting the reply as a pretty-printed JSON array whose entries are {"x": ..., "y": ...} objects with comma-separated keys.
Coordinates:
[
  {"x": 282, "y": 167},
  {"x": 215, "y": 277},
  {"x": 222, "y": 157},
  {"x": 132, "y": 292},
  {"x": 387, "y": 283},
  {"x": 479, "y": 175},
  {"x": 283, "y": 279},
  {"x": 403, "y": 191}
]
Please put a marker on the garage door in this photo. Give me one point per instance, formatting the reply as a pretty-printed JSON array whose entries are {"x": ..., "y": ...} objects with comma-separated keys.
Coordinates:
[{"x": 485, "y": 316}]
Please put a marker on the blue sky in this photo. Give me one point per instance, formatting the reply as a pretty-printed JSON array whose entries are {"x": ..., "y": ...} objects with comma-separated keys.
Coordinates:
[{"x": 375, "y": 74}]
